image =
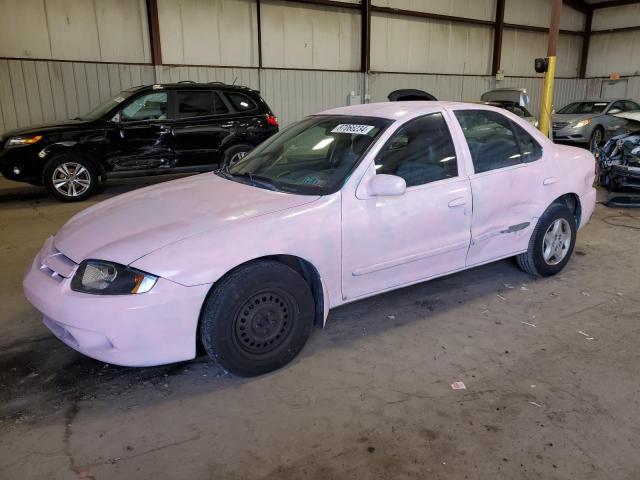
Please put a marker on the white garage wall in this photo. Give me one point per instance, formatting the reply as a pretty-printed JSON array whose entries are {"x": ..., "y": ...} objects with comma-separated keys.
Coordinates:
[
  {"x": 477, "y": 9},
  {"x": 616, "y": 17},
  {"x": 520, "y": 48},
  {"x": 538, "y": 12},
  {"x": 205, "y": 32},
  {"x": 615, "y": 52},
  {"x": 307, "y": 36},
  {"x": 33, "y": 92},
  {"x": 409, "y": 44},
  {"x": 111, "y": 30}
]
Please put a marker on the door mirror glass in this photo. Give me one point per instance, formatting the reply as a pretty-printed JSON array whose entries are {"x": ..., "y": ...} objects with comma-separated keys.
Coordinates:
[{"x": 382, "y": 185}]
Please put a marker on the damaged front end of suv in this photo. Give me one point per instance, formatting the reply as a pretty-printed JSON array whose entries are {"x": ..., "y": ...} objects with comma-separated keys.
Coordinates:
[{"x": 619, "y": 158}]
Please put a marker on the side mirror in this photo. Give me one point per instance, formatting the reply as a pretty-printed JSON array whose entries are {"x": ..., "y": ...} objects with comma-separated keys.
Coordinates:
[
  {"x": 116, "y": 118},
  {"x": 613, "y": 111},
  {"x": 383, "y": 185}
]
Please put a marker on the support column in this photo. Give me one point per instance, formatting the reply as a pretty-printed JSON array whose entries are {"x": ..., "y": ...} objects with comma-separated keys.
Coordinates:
[
  {"x": 497, "y": 37},
  {"x": 586, "y": 39},
  {"x": 154, "y": 32},
  {"x": 549, "y": 77}
]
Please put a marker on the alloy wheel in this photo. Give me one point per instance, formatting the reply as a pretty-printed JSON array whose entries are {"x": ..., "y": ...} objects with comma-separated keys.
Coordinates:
[
  {"x": 71, "y": 179},
  {"x": 556, "y": 242}
]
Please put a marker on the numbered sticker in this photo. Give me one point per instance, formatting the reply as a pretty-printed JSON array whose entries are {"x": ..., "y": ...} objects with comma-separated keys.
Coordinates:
[{"x": 350, "y": 128}]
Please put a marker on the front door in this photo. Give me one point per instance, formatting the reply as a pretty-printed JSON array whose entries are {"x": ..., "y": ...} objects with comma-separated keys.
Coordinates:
[
  {"x": 394, "y": 241},
  {"x": 142, "y": 138},
  {"x": 511, "y": 186}
]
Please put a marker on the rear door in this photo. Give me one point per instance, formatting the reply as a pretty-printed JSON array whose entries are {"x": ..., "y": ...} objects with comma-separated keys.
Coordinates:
[
  {"x": 142, "y": 137},
  {"x": 200, "y": 128},
  {"x": 509, "y": 183}
]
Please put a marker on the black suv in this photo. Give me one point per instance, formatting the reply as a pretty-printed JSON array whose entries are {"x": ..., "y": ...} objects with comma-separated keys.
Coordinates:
[{"x": 153, "y": 129}]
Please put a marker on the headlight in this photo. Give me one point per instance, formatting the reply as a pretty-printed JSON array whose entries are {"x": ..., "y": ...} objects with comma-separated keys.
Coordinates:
[
  {"x": 107, "y": 278},
  {"x": 582, "y": 123},
  {"x": 24, "y": 140}
]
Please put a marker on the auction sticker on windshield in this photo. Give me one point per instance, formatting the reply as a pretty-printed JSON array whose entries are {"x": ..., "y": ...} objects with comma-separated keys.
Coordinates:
[{"x": 351, "y": 128}]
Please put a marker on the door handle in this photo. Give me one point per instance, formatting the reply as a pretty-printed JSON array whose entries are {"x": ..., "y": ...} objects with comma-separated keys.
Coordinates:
[
  {"x": 549, "y": 181},
  {"x": 227, "y": 125},
  {"x": 456, "y": 202}
]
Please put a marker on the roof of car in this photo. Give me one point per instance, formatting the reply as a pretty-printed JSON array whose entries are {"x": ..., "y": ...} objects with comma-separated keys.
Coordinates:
[
  {"x": 397, "y": 110},
  {"x": 190, "y": 84}
]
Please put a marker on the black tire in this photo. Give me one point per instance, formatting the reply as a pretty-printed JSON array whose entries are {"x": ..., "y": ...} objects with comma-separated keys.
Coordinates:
[
  {"x": 598, "y": 132},
  {"x": 257, "y": 318},
  {"x": 532, "y": 261},
  {"x": 79, "y": 187},
  {"x": 234, "y": 153}
]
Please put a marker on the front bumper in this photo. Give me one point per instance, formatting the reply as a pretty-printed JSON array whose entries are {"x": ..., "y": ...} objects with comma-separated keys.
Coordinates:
[
  {"x": 152, "y": 328},
  {"x": 625, "y": 176},
  {"x": 569, "y": 134}
]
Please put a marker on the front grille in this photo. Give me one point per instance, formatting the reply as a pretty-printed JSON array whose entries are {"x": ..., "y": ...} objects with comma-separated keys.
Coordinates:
[{"x": 559, "y": 125}]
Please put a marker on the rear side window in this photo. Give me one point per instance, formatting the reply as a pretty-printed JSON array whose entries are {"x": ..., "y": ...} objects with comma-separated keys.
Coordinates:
[
  {"x": 491, "y": 138},
  {"x": 420, "y": 152},
  {"x": 199, "y": 103},
  {"x": 195, "y": 104},
  {"x": 241, "y": 102},
  {"x": 529, "y": 148}
]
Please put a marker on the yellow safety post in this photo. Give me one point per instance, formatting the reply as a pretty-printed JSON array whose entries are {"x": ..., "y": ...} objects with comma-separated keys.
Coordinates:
[{"x": 547, "y": 97}]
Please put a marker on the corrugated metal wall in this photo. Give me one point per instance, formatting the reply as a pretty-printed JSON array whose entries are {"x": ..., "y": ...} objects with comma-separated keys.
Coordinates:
[{"x": 33, "y": 92}]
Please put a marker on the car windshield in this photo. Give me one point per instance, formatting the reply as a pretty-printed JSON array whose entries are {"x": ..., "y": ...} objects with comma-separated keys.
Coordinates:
[
  {"x": 106, "y": 106},
  {"x": 310, "y": 157},
  {"x": 584, "y": 107}
]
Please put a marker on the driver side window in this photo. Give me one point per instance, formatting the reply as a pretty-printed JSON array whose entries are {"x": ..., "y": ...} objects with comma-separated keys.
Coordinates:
[
  {"x": 152, "y": 106},
  {"x": 420, "y": 152}
]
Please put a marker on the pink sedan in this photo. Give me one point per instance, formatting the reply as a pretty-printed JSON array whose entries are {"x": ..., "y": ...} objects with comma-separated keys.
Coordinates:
[{"x": 337, "y": 207}]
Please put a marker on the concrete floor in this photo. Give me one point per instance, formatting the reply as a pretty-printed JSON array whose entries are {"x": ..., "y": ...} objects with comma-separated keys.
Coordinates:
[{"x": 370, "y": 395}]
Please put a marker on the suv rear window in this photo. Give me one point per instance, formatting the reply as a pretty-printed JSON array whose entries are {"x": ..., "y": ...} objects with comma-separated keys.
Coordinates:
[
  {"x": 199, "y": 103},
  {"x": 241, "y": 102}
]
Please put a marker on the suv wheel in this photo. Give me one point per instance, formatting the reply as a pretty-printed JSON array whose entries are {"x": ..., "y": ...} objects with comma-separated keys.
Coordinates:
[
  {"x": 551, "y": 243},
  {"x": 234, "y": 154},
  {"x": 257, "y": 318},
  {"x": 70, "y": 178}
]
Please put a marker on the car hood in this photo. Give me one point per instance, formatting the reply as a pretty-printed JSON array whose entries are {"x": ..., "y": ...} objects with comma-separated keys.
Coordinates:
[
  {"x": 129, "y": 226},
  {"x": 573, "y": 117},
  {"x": 48, "y": 127}
]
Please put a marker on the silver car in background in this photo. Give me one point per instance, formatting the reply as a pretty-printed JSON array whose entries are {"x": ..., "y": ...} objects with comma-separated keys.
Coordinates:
[{"x": 590, "y": 122}]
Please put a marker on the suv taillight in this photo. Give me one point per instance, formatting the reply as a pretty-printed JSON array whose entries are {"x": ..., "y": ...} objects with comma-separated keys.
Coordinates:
[{"x": 272, "y": 120}]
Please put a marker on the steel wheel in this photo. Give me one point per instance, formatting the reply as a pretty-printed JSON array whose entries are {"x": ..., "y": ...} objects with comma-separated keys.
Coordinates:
[
  {"x": 71, "y": 179},
  {"x": 262, "y": 323},
  {"x": 556, "y": 242}
]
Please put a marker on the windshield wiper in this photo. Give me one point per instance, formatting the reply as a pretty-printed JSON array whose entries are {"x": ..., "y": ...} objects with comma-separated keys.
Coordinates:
[{"x": 258, "y": 180}]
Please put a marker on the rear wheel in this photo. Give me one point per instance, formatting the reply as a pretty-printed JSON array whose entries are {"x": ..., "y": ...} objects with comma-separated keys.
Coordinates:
[
  {"x": 257, "y": 318},
  {"x": 234, "y": 154},
  {"x": 70, "y": 178},
  {"x": 551, "y": 243}
]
